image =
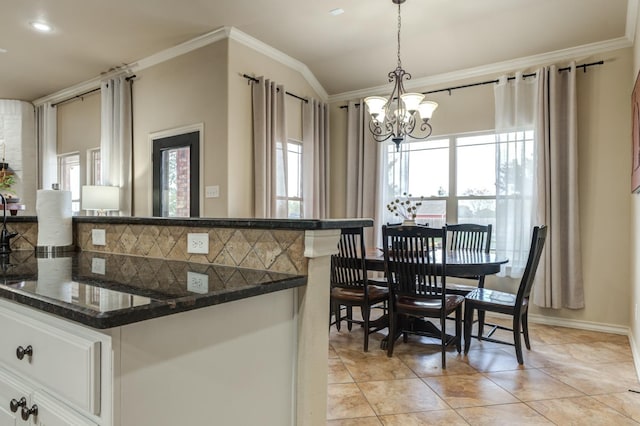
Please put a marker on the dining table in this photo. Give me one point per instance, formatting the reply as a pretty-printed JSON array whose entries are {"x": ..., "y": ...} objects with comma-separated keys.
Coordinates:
[{"x": 459, "y": 263}]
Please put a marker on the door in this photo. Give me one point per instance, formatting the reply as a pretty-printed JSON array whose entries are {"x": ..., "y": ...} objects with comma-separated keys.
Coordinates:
[{"x": 176, "y": 176}]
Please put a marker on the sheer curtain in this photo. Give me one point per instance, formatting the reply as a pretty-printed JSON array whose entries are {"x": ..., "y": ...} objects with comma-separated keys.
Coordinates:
[
  {"x": 365, "y": 180},
  {"x": 46, "y": 137},
  {"x": 536, "y": 160},
  {"x": 315, "y": 127},
  {"x": 115, "y": 141},
  {"x": 269, "y": 129}
]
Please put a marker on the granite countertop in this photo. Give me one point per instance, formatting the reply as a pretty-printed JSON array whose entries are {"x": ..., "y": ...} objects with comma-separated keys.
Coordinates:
[{"x": 108, "y": 290}]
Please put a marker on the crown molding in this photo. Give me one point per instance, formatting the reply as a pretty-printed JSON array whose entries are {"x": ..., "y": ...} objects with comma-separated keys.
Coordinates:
[
  {"x": 512, "y": 65},
  {"x": 632, "y": 20},
  {"x": 277, "y": 55},
  {"x": 189, "y": 46}
]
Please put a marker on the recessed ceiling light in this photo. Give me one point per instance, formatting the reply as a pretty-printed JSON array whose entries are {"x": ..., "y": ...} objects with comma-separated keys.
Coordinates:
[
  {"x": 43, "y": 27},
  {"x": 3, "y": 50},
  {"x": 336, "y": 12}
]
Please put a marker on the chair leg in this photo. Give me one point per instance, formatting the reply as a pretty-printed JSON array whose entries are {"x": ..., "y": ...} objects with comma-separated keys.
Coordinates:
[
  {"x": 516, "y": 338},
  {"x": 365, "y": 309},
  {"x": 391, "y": 338},
  {"x": 336, "y": 310},
  {"x": 459, "y": 328},
  {"x": 468, "y": 323},
  {"x": 480, "y": 323},
  {"x": 443, "y": 337},
  {"x": 525, "y": 330},
  {"x": 349, "y": 317}
]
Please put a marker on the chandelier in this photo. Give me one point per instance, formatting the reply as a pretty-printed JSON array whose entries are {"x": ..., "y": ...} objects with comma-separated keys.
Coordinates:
[{"x": 401, "y": 114}]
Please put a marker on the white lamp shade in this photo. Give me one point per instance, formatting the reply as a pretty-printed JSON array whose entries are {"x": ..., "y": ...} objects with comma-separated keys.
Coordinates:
[
  {"x": 376, "y": 106},
  {"x": 96, "y": 197},
  {"x": 426, "y": 109},
  {"x": 411, "y": 101}
]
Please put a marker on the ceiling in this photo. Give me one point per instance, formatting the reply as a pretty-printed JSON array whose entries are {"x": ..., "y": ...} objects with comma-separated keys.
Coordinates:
[{"x": 348, "y": 52}]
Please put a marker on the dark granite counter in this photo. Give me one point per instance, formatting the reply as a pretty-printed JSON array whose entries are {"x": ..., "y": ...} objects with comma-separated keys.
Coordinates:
[{"x": 108, "y": 290}]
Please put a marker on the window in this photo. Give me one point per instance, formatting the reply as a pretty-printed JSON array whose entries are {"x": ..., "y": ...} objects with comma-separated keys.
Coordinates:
[
  {"x": 94, "y": 176},
  {"x": 289, "y": 201},
  {"x": 455, "y": 174},
  {"x": 69, "y": 178}
]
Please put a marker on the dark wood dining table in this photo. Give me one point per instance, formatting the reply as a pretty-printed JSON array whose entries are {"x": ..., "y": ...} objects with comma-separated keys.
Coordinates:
[{"x": 459, "y": 262}]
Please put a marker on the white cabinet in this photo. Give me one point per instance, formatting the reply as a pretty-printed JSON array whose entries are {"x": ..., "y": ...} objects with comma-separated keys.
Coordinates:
[{"x": 51, "y": 371}]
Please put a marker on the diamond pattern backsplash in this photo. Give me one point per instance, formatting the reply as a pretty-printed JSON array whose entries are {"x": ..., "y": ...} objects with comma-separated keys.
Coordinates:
[{"x": 263, "y": 249}]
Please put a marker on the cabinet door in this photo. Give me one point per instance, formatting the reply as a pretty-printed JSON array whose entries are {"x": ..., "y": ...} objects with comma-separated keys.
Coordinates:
[
  {"x": 11, "y": 389},
  {"x": 65, "y": 363},
  {"x": 53, "y": 413}
]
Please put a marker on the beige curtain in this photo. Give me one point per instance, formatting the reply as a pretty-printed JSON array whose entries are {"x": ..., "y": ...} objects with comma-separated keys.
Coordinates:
[
  {"x": 115, "y": 139},
  {"x": 269, "y": 128},
  {"x": 315, "y": 128},
  {"x": 364, "y": 181},
  {"x": 559, "y": 278}
]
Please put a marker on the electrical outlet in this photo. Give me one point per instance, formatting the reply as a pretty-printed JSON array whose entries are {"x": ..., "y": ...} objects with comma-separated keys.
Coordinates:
[
  {"x": 98, "y": 237},
  {"x": 98, "y": 266},
  {"x": 197, "y": 283},
  {"x": 198, "y": 243},
  {"x": 212, "y": 191}
]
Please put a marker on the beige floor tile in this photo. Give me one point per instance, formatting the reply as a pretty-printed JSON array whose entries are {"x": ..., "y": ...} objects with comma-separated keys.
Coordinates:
[
  {"x": 627, "y": 403},
  {"x": 507, "y": 414},
  {"x": 469, "y": 390},
  {"x": 332, "y": 352},
  {"x": 433, "y": 418},
  {"x": 364, "y": 421},
  {"x": 531, "y": 385},
  {"x": 579, "y": 411},
  {"x": 401, "y": 396},
  {"x": 337, "y": 372},
  {"x": 377, "y": 365},
  {"x": 485, "y": 360},
  {"x": 597, "y": 379},
  {"x": 346, "y": 401},
  {"x": 426, "y": 365},
  {"x": 597, "y": 353}
]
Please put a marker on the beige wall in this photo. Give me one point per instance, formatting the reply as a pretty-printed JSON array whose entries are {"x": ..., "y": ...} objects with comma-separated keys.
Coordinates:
[
  {"x": 603, "y": 108},
  {"x": 78, "y": 126},
  {"x": 187, "y": 90},
  {"x": 244, "y": 60},
  {"x": 634, "y": 247}
]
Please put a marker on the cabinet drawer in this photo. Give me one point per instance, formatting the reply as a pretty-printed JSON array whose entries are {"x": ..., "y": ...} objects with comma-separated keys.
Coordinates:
[
  {"x": 53, "y": 413},
  {"x": 62, "y": 362}
]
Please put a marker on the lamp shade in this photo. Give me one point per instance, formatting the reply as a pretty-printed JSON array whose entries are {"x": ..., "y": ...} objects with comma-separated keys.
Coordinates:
[
  {"x": 376, "y": 105},
  {"x": 96, "y": 197},
  {"x": 411, "y": 101},
  {"x": 426, "y": 109}
]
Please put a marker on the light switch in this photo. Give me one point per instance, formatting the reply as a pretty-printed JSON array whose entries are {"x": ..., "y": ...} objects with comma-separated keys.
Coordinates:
[{"x": 212, "y": 191}]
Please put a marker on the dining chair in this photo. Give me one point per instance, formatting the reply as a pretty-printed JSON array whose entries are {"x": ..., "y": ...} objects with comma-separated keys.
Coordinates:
[
  {"x": 516, "y": 305},
  {"x": 351, "y": 287},
  {"x": 415, "y": 266},
  {"x": 472, "y": 237}
]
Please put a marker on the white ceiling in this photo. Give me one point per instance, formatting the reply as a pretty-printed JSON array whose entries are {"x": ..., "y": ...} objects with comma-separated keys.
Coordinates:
[{"x": 352, "y": 51}]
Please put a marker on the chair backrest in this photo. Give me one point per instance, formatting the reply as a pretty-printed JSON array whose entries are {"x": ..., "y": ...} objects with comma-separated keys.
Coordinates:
[
  {"x": 348, "y": 266},
  {"x": 535, "y": 252},
  {"x": 469, "y": 236},
  {"x": 415, "y": 260}
]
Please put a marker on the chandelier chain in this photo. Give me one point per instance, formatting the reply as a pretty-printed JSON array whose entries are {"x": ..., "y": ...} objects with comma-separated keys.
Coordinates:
[{"x": 399, "y": 27}]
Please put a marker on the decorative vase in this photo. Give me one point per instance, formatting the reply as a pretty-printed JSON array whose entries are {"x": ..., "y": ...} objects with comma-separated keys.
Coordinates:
[{"x": 409, "y": 222}]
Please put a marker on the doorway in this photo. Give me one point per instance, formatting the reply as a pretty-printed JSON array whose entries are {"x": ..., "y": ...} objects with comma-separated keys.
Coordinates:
[{"x": 176, "y": 175}]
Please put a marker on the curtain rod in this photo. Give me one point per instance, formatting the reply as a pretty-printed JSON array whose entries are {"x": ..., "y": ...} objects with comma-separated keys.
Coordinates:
[
  {"x": 255, "y": 80},
  {"x": 483, "y": 83},
  {"x": 131, "y": 77}
]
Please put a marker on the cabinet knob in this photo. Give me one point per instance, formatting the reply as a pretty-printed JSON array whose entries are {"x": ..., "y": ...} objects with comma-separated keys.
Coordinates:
[
  {"x": 21, "y": 352},
  {"x": 14, "y": 404},
  {"x": 26, "y": 412}
]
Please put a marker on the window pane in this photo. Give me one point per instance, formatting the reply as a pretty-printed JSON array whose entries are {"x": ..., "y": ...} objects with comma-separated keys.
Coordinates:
[
  {"x": 482, "y": 212},
  {"x": 421, "y": 168},
  {"x": 476, "y": 170},
  {"x": 294, "y": 175},
  {"x": 433, "y": 213},
  {"x": 175, "y": 182}
]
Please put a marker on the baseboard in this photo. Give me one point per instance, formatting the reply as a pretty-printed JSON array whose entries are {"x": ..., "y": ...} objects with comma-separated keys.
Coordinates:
[{"x": 580, "y": 325}]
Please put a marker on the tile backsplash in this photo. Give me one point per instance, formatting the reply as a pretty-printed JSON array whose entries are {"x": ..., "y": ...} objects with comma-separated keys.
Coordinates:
[{"x": 263, "y": 249}]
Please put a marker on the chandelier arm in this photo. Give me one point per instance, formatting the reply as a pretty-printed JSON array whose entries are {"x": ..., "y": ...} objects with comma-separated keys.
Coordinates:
[{"x": 378, "y": 134}]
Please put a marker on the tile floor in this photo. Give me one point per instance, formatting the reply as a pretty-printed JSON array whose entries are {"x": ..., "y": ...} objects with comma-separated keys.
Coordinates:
[{"x": 570, "y": 377}]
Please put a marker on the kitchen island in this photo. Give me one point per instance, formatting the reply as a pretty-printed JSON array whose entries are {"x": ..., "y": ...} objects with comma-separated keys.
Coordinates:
[{"x": 135, "y": 330}]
